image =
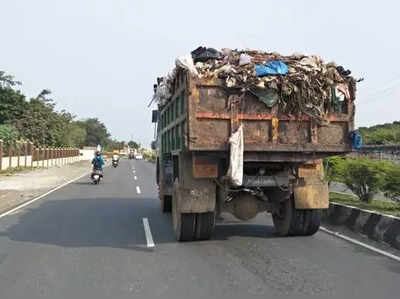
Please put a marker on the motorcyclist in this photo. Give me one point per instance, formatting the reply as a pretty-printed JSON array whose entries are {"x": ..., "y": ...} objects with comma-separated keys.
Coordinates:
[
  {"x": 115, "y": 160},
  {"x": 97, "y": 162}
]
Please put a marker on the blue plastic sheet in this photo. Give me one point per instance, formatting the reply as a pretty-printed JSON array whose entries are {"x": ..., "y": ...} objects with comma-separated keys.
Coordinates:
[{"x": 274, "y": 67}]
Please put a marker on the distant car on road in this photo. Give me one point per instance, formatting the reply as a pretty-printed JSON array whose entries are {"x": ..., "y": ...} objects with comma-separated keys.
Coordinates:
[{"x": 139, "y": 157}]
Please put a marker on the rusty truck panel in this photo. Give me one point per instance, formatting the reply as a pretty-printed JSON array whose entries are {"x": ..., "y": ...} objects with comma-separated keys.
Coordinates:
[
  {"x": 211, "y": 120},
  {"x": 202, "y": 115}
]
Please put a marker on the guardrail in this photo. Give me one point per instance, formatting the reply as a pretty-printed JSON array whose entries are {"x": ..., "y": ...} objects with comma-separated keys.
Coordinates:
[{"x": 378, "y": 152}]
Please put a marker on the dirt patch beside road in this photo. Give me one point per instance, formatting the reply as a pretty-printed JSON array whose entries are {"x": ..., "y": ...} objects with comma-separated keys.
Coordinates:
[{"x": 23, "y": 186}]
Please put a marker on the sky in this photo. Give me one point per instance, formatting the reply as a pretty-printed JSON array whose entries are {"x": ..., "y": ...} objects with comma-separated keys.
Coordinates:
[{"x": 101, "y": 58}]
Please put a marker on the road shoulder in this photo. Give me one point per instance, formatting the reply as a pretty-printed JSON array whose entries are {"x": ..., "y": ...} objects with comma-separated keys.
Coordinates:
[{"x": 24, "y": 186}]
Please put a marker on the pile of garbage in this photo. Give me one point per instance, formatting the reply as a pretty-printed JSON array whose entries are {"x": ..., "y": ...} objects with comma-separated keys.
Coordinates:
[{"x": 299, "y": 84}]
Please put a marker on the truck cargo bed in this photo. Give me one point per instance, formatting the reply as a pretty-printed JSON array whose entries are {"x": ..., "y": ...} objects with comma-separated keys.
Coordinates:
[{"x": 203, "y": 114}]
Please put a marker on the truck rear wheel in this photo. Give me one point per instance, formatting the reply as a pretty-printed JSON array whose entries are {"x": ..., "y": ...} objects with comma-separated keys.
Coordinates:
[
  {"x": 292, "y": 222},
  {"x": 306, "y": 222},
  {"x": 183, "y": 223},
  {"x": 205, "y": 224}
]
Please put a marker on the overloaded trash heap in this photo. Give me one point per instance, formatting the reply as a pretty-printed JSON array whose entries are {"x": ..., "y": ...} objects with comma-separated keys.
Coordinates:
[{"x": 299, "y": 84}]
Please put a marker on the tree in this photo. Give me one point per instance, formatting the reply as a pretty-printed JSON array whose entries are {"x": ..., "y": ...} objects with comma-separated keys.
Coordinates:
[
  {"x": 8, "y": 134},
  {"x": 75, "y": 135},
  {"x": 12, "y": 105},
  {"x": 38, "y": 121},
  {"x": 7, "y": 81},
  {"x": 391, "y": 186},
  {"x": 43, "y": 94},
  {"x": 134, "y": 144},
  {"x": 60, "y": 125},
  {"x": 114, "y": 144},
  {"x": 35, "y": 122},
  {"x": 364, "y": 177},
  {"x": 42, "y": 125},
  {"x": 384, "y": 134},
  {"x": 12, "y": 102},
  {"x": 96, "y": 132},
  {"x": 334, "y": 168}
]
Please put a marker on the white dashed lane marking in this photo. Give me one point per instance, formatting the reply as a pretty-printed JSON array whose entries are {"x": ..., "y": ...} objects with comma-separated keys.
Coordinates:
[{"x": 147, "y": 231}]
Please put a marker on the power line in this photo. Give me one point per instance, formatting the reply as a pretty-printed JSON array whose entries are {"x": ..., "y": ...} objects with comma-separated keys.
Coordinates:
[
  {"x": 379, "y": 93},
  {"x": 388, "y": 87}
]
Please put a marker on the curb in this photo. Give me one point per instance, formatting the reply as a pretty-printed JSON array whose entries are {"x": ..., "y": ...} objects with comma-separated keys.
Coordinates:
[{"x": 378, "y": 227}]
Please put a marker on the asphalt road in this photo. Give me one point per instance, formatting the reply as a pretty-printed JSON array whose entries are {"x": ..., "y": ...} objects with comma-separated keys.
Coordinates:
[{"x": 87, "y": 241}]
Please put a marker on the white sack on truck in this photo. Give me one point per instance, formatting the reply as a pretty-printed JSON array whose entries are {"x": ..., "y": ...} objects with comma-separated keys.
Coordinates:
[
  {"x": 186, "y": 62},
  {"x": 235, "y": 171}
]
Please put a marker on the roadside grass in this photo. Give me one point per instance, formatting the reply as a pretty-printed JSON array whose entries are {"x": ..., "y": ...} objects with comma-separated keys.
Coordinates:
[{"x": 384, "y": 207}]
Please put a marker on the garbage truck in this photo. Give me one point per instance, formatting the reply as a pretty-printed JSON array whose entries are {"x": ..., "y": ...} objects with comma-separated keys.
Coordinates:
[{"x": 233, "y": 140}]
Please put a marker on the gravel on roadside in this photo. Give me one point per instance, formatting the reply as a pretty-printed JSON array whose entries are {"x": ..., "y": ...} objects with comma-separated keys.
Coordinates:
[{"x": 23, "y": 186}]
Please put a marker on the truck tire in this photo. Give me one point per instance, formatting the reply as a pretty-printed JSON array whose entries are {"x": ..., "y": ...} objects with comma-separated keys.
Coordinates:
[
  {"x": 183, "y": 223},
  {"x": 306, "y": 222},
  {"x": 205, "y": 224},
  {"x": 292, "y": 222},
  {"x": 166, "y": 204},
  {"x": 282, "y": 219}
]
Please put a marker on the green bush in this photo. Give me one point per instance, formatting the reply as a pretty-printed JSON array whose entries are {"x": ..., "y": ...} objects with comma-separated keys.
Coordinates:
[
  {"x": 149, "y": 155},
  {"x": 9, "y": 134},
  {"x": 334, "y": 168},
  {"x": 382, "y": 134},
  {"x": 391, "y": 186},
  {"x": 365, "y": 177}
]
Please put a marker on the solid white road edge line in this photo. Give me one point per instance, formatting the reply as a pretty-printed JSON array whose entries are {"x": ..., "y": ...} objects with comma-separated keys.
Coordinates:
[
  {"x": 147, "y": 231},
  {"x": 354, "y": 241},
  {"x": 138, "y": 190},
  {"x": 41, "y": 196}
]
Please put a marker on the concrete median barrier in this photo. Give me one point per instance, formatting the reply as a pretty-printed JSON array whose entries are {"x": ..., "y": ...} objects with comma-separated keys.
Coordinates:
[{"x": 378, "y": 227}]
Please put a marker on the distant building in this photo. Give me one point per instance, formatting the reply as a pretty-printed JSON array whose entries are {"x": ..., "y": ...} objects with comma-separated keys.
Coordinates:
[
  {"x": 89, "y": 148},
  {"x": 87, "y": 152}
]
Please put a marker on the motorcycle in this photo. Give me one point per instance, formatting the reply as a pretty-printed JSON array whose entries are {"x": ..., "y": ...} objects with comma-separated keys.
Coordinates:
[
  {"x": 115, "y": 163},
  {"x": 97, "y": 175}
]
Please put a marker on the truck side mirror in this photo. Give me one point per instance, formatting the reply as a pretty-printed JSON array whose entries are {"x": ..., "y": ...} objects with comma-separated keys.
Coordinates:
[{"x": 154, "y": 118}]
